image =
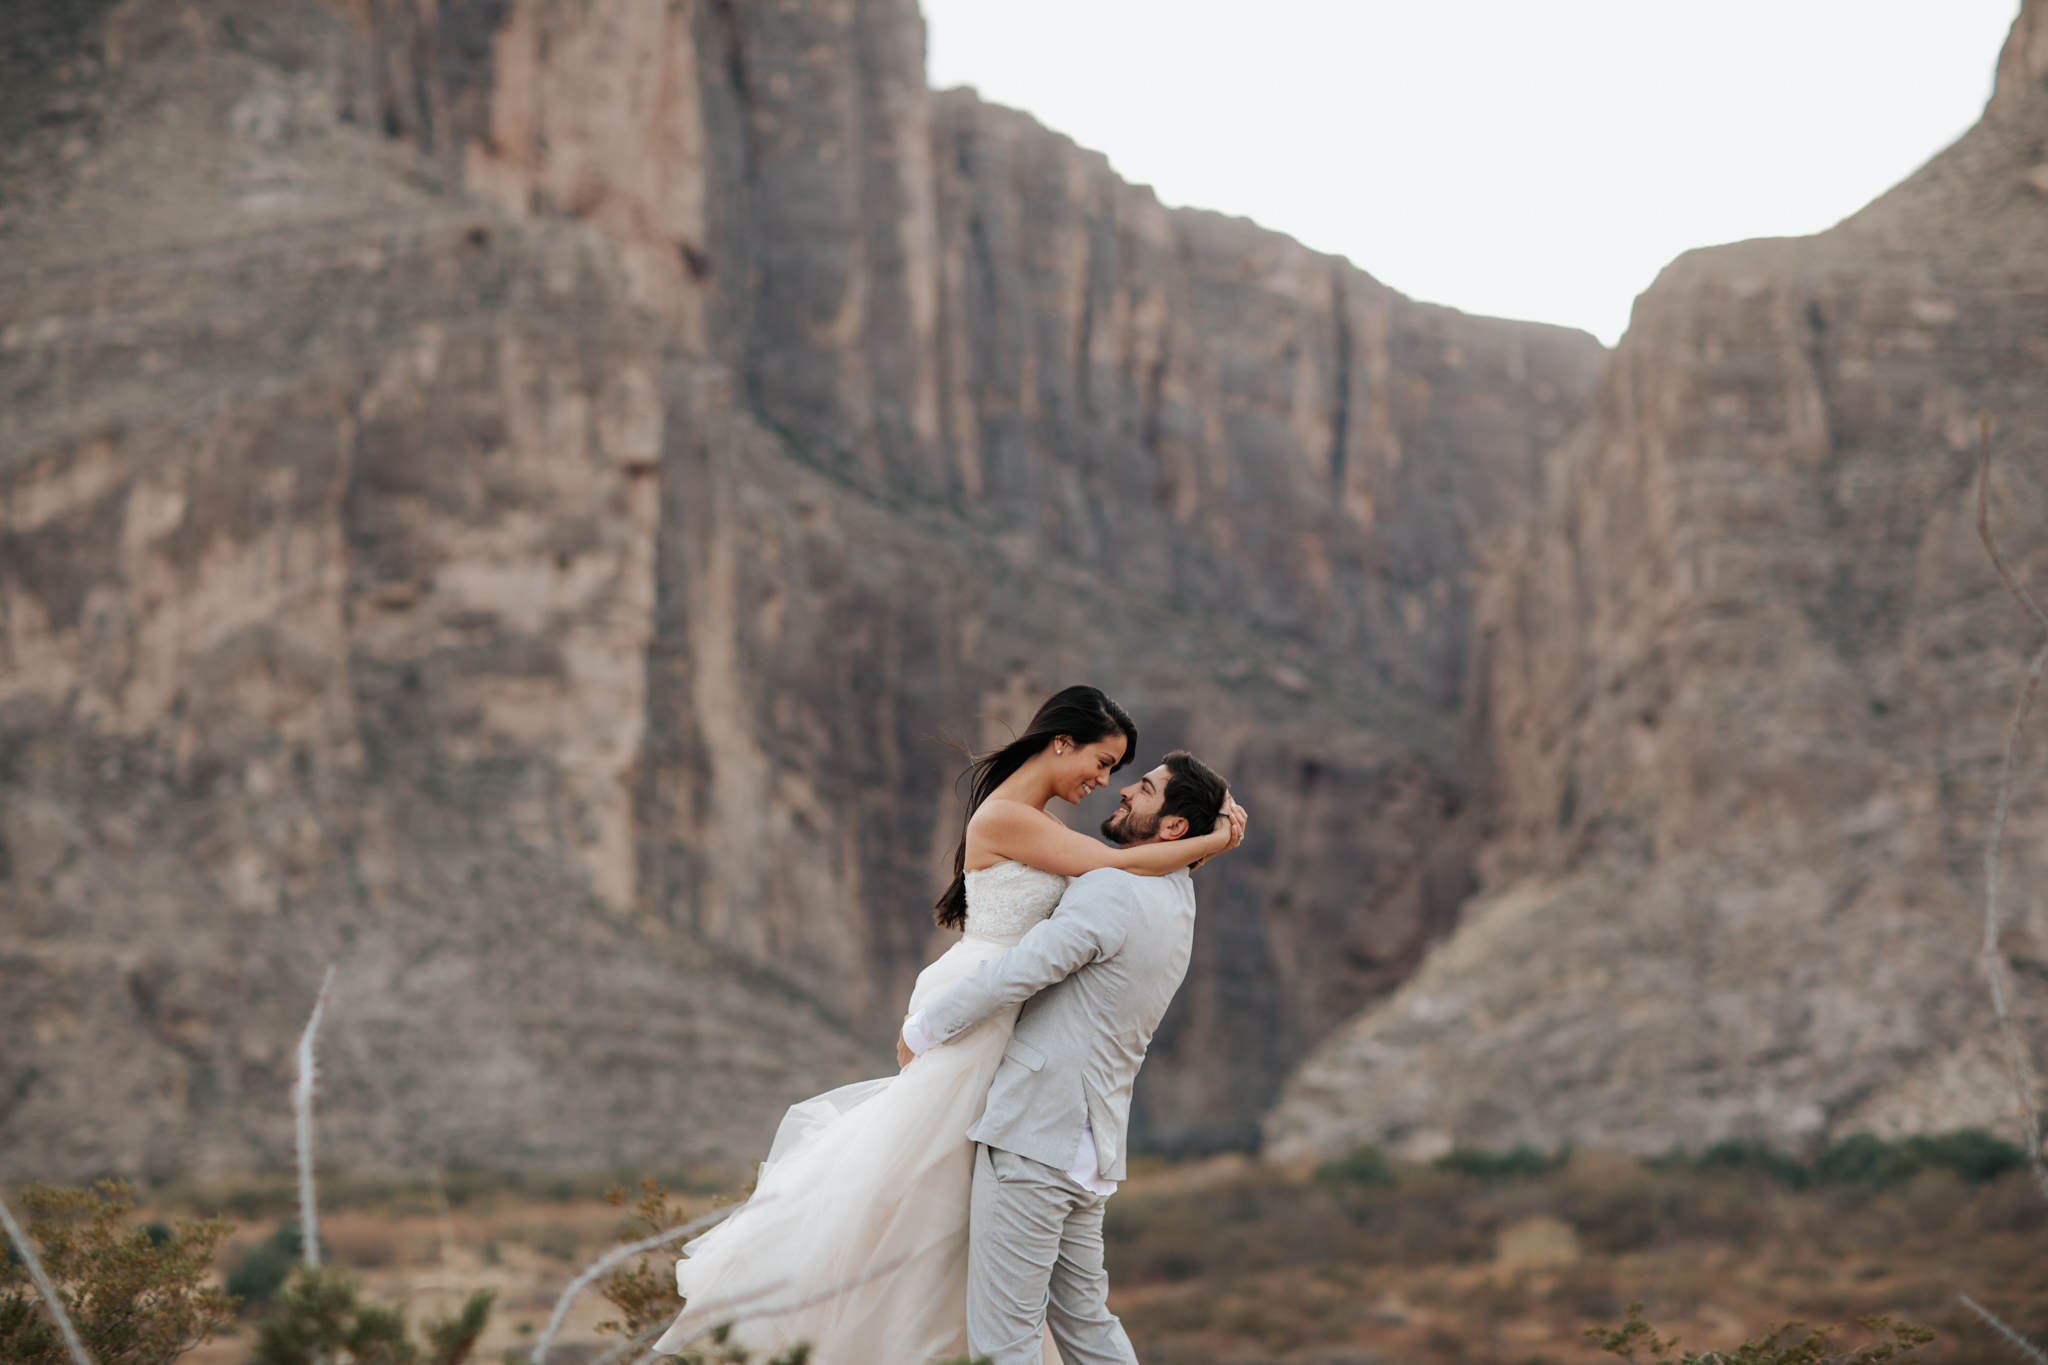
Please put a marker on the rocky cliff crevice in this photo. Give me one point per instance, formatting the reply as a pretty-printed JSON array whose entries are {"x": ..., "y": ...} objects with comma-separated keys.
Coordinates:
[
  {"x": 942, "y": 301},
  {"x": 1738, "y": 700},
  {"x": 326, "y": 580},
  {"x": 510, "y": 498}
]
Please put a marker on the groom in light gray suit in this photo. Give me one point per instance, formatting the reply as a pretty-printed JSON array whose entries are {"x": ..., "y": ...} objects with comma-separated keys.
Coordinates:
[{"x": 1095, "y": 979}]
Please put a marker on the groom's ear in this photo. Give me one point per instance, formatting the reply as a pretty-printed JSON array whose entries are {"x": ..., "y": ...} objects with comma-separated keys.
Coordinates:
[{"x": 1172, "y": 827}]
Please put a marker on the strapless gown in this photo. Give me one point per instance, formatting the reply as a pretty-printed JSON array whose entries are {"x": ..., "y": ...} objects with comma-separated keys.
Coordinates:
[{"x": 865, "y": 1188}]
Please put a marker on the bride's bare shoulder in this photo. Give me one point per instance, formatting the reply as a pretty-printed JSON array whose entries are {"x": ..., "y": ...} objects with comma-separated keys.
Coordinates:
[
  {"x": 1000, "y": 811},
  {"x": 998, "y": 822}
]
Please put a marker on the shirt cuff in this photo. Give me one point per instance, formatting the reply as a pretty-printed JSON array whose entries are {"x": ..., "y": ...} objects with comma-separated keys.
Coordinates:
[{"x": 917, "y": 1035}]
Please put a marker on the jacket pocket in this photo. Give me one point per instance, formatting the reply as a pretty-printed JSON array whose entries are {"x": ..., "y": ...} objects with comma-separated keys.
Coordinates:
[{"x": 1024, "y": 1055}]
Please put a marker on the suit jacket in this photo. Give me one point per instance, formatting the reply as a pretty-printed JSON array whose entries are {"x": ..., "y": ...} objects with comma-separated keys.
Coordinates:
[{"x": 1094, "y": 978}]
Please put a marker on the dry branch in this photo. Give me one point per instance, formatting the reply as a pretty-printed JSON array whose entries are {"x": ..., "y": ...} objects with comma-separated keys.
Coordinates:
[
  {"x": 610, "y": 1259},
  {"x": 2020, "y": 1343},
  {"x": 2017, "y": 1062},
  {"x": 302, "y": 1106},
  {"x": 48, "y": 1290}
]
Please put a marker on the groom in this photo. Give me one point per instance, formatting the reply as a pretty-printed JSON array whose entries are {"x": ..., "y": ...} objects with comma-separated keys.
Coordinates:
[{"x": 1097, "y": 976}]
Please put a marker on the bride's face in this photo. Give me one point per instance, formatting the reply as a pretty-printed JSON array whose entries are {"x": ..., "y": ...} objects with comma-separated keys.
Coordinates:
[{"x": 1078, "y": 769}]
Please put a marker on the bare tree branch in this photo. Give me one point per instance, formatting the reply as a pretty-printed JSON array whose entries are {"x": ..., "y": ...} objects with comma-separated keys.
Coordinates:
[
  {"x": 2020, "y": 1343},
  {"x": 2016, "y": 1060},
  {"x": 302, "y": 1106},
  {"x": 48, "y": 1290},
  {"x": 614, "y": 1257}
]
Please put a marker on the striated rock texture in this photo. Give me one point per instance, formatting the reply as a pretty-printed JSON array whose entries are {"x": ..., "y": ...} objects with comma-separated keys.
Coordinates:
[
  {"x": 1739, "y": 697},
  {"x": 941, "y": 301},
  {"x": 510, "y": 499},
  {"x": 326, "y": 585}
]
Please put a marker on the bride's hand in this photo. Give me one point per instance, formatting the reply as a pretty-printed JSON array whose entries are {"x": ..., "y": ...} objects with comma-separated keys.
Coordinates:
[{"x": 1230, "y": 823}]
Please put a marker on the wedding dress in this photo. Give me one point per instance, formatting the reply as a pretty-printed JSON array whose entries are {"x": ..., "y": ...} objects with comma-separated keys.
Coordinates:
[{"x": 855, "y": 1239}]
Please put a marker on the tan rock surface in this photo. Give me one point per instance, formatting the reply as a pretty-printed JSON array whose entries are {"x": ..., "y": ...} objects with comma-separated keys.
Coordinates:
[
  {"x": 1740, "y": 693},
  {"x": 327, "y": 580},
  {"x": 508, "y": 500}
]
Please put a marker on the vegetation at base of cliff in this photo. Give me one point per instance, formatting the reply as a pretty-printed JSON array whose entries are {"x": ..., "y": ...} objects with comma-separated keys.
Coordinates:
[
  {"x": 138, "y": 1295},
  {"x": 1971, "y": 1154},
  {"x": 1860, "y": 1159},
  {"x": 1517, "y": 1163},
  {"x": 1789, "y": 1343},
  {"x": 1227, "y": 1262}
]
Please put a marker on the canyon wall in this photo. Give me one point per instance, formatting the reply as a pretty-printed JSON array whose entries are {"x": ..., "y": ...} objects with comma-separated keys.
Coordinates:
[
  {"x": 941, "y": 301},
  {"x": 327, "y": 578},
  {"x": 513, "y": 500},
  {"x": 1739, "y": 699}
]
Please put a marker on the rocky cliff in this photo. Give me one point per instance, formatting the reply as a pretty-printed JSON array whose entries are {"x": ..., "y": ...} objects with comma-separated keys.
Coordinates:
[
  {"x": 1739, "y": 697},
  {"x": 509, "y": 498}
]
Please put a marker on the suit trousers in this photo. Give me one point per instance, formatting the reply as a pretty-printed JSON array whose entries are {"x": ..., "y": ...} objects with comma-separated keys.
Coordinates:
[{"x": 1034, "y": 1259}]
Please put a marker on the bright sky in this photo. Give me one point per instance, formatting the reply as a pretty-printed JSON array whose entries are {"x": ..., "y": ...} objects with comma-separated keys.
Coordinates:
[{"x": 1523, "y": 158}]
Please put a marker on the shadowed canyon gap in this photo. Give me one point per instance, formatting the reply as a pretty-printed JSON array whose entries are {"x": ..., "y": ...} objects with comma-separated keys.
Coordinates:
[
  {"x": 508, "y": 497},
  {"x": 1741, "y": 689}
]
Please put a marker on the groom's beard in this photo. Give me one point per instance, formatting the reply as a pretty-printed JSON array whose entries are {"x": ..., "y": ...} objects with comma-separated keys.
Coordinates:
[{"x": 1126, "y": 827}]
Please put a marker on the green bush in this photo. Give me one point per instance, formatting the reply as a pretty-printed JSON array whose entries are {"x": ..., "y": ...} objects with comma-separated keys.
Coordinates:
[
  {"x": 319, "y": 1320},
  {"x": 137, "y": 1295},
  {"x": 262, "y": 1270},
  {"x": 1517, "y": 1163},
  {"x": 1757, "y": 1157},
  {"x": 1866, "y": 1159},
  {"x": 1360, "y": 1166},
  {"x": 1974, "y": 1155},
  {"x": 1789, "y": 1343}
]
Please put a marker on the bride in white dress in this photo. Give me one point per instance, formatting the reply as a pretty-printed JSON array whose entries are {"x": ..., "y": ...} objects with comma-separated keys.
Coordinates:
[{"x": 855, "y": 1239}]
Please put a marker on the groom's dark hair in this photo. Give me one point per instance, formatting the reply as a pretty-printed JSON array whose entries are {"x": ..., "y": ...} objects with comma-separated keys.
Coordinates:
[{"x": 1193, "y": 792}]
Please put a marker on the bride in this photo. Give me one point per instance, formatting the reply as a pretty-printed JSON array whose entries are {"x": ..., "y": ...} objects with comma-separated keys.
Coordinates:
[{"x": 855, "y": 1239}]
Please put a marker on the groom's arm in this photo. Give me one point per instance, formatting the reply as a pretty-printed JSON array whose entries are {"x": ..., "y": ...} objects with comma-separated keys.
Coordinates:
[{"x": 1089, "y": 925}]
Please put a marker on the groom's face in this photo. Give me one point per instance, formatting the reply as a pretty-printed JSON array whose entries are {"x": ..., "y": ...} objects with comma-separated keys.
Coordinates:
[{"x": 1136, "y": 818}]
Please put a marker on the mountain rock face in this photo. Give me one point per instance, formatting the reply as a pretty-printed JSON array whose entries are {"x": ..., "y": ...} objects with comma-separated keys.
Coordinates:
[
  {"x": 1740, "y": 695},
  {"x": 511, "y": 499}
]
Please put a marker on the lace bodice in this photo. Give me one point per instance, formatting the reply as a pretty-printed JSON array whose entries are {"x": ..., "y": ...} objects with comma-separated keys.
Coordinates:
[{"x": 1011, "y": 897}]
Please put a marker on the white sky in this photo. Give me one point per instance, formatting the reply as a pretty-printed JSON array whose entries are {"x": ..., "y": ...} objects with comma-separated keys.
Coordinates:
[{"x": 1523, "y": 158}]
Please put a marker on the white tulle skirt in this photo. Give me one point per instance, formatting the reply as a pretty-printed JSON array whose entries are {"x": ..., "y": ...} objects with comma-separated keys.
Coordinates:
[{"x": 855, "y": 1239}]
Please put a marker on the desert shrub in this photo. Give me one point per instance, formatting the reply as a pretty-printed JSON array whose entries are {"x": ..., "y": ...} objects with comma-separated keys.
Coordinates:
[
  {"x": 1360, "y": 1166},
  {"x": 1860, "y": 1159},
  {"x": 1972, "y": 1154},
  {"x": 135, "y": 1294},
  {"x": 261, "y": 1271},
  {"x": 643, "y": 1290},
  {"x": 1517, "y": 1163},
  {"x": 1789, "y": 1343},
  {"x": 1757, "y": 1158},
  {"x": 319, "y": 1319}
]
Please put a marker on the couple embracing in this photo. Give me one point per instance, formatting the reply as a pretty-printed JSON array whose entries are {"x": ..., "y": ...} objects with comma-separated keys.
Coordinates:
[{"x": 957, "y": 1207}]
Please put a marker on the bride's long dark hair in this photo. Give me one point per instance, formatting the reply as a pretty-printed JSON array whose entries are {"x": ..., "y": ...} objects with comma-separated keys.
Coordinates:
[{"x": 1082, "y": 713}]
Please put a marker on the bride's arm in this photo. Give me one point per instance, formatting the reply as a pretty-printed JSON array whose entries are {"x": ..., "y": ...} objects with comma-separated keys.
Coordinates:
[{"x": 1010, "y": 829}]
